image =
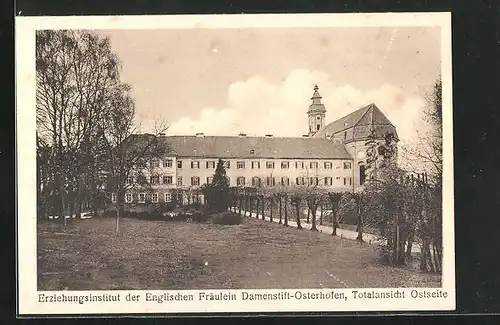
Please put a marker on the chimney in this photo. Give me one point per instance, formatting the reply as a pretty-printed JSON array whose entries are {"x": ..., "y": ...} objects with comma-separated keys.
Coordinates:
[
  {"x": 161, "y": 134},
  {"x": 242, "y": 134},
  {"x": 269, "y": 135},
  {"x": 200, "y": 134},
  {"x": 305, "y": 136}
]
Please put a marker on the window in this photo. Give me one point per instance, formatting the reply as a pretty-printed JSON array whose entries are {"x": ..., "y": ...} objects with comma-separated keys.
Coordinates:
[
  {"x": 210, "y": 179},
  {"x": 154, "y": 197},
  {"x": 285, "y": 181},
  {"x": 168, "y": 197},
  {"x": 195, "y": 181},
  {"x": 210, "y": 164},
  {"x": 179, "y": 163},
  {"x": 252, "y": 151},
  {"x": 300, "y": 181},
  {"x": 269, "y": 164},
  {"x": 345, "y": 135},
  {"x": 167, "y": 180},
  {"x": 240, "y": 181},
  {"x": 130, "y": 180},
  {"x": 168, "y": 163},
  {"x": 299, "y": 165},
  {"x": 255, "y": 164},
  {"x": 128, "y": 197},
  {"x": 179, "y": 180},
  {"x": 345, "y": 181},
  {"x": 142, "y": 197},
  {"x": 313, "y": 181},
  {"x": 240, "y": 164},
  {"x": 350, "y": 181},
  {"x": 195, "y": 164},
  {"x": 337, "y": 166},
  {"x": 227, "y": 164},
  {"x": 155, "y": 163},
  {"x": 180, "y": 197},
  {"x": 337, "y": 178},
  {"x": 270, "y": 181},
  {"x": 328, "y": 181},
  {"x": 113, "y": 197},
  {"x": 154, "y": 179},
  {"x": 313, "y": 165},
  {"x": 347, "y": 165},
  {"x": 256, "y": 181},
  {"x": 328, "y": 165},
  {"x": 285, "y": 165}
]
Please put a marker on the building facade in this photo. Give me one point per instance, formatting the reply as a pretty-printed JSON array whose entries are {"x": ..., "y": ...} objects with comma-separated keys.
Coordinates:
[{"x": 332, "y": 157}]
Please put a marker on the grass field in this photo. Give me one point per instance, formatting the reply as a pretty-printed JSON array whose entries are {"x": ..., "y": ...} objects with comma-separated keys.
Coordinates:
[{"x": 181, "y": 255}]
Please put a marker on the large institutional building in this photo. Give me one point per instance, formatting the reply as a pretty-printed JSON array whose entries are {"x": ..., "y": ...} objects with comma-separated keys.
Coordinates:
[{"x": 331, "y": 156}]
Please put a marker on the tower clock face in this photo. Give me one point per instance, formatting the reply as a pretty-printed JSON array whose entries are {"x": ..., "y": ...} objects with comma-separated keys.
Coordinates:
[{"x": 361, "y": 154}]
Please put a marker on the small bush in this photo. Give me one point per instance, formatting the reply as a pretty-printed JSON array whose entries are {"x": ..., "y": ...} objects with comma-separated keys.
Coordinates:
[{"x": 226, "y": 218}]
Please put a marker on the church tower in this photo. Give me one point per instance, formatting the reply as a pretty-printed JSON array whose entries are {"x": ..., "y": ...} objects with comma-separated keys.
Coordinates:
[{"x": 316, "y": 113}]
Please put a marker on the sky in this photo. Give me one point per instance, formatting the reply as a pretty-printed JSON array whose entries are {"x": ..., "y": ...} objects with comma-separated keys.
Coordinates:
[{"x": 259, "y": 80}]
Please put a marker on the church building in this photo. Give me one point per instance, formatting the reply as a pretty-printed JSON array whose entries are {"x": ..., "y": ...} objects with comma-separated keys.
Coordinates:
[{"x": 331, "y": 156}]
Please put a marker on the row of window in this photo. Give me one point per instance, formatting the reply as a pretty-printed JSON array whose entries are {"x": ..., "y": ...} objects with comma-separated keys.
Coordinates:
[
  {"x": 141, "y": 197},
  {"x": 284, "y": 181},
  {"x": 255, "y": 181},
  {"x": 166, "y": 180},
  {"x": 242, "y": 164}
]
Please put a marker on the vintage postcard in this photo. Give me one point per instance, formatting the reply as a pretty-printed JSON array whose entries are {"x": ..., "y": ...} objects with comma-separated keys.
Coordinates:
[{"x": 234, "y": 164}]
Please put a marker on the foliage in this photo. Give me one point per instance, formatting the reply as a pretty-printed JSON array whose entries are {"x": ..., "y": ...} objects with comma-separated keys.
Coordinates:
[{"x": 217, "y": 193}]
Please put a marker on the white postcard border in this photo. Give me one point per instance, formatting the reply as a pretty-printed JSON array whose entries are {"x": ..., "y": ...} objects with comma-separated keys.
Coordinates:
[{"x": 28, "y": 296}]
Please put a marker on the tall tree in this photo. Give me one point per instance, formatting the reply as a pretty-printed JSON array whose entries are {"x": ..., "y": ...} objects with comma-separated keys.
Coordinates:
[
  {"x": 217, "y": 193},
  {"x": 75, "y": 73}
]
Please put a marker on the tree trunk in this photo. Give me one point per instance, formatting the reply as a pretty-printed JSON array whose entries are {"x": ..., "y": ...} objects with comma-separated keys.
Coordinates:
[
  {"x": 280, "y": 222},
  {"x": 239, "y": 205},
  {"x": 297, "y": 210},
  {"x": 308, "y": 214},
  {"x": 321, "y": 215},
  {"x": 257, "y": 207},
  {"x": 423, "y": 257},
  {"x": 271, "y": 210},
  {"x": 313, "y": 212},
  {"x": 286, "y": 210},
  {"x": 262, "y": 207},
  {"x": 250, "y": 205},
  {"x": 360, "y": 228}
]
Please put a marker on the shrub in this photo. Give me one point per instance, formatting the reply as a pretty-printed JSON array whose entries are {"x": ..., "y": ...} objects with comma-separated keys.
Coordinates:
[{"x": 226, "y": 218}]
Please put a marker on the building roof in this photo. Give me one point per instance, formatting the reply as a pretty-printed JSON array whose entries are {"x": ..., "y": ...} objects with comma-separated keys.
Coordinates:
[
  {"x": 255, "y": 147},
  {"x": 363, "y": 121}
]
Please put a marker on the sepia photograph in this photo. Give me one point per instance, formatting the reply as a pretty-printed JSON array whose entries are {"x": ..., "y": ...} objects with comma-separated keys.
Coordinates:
[{"x": 229, "y": 160}]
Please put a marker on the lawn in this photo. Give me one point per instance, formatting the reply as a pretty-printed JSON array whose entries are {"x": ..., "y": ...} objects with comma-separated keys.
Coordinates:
[{"x": 182, "y": 255}]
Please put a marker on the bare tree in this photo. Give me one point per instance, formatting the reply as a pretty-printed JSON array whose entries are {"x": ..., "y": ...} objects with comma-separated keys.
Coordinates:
[
  {"x": 334, "y": 198},
  {"x": 75, "y": 74},
  {"x": 129, "y": 152}
]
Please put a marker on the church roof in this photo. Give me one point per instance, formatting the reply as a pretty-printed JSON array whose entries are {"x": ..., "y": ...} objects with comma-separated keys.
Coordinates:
[
  {"x": 363, "y": 121},
  {"x": 255, "y": 147}
]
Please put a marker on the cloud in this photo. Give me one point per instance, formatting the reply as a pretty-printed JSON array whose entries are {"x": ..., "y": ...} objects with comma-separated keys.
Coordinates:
[{"x": 258, "y": 107}]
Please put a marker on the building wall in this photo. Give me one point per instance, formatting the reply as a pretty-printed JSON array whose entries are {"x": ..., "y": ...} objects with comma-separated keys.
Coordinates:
[{"x": 342, "y": 178}]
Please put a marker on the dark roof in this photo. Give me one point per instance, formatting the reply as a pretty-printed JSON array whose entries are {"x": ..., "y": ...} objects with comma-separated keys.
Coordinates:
[
  {"x": 255, "y": 147},
  {"x": 364, "y": 120}
]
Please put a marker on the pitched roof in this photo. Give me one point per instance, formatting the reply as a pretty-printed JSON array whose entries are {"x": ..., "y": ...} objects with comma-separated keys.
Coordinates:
[
  {"x": 364, "y": 120},
  {"x": 255, "y": 147}
]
